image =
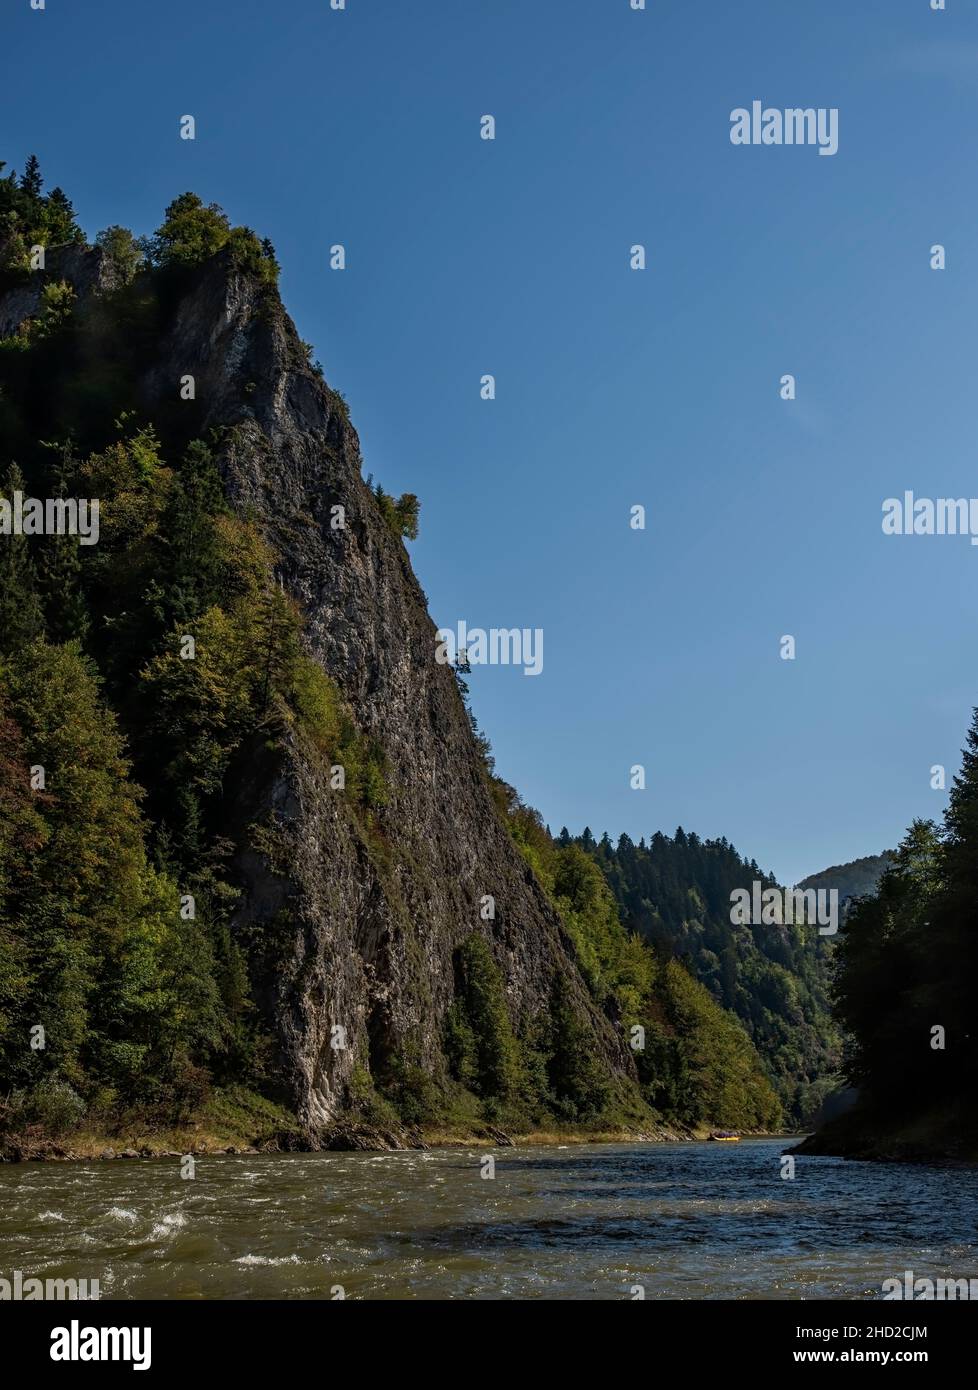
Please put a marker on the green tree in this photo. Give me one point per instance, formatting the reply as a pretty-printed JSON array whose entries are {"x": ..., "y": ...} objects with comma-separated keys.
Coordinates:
[
  {"x": 401, "y": 514},
  {"x": 580, "y": 1085},
  {"x": 31, "y": 182},
  {"x": 191, "y": 232},
  {"x": 59, "y": 220},
  {"x": 21, "y": 618},
  {"x": 481, "y": 1038},
  {"x": 122, "y": 251},
  {"x": 22, "y": 837}
]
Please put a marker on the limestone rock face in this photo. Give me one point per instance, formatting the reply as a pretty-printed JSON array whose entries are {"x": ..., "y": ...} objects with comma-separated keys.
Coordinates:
[
  {"x": 365, "y": 923},
  {"x": 85, "y": 268}
]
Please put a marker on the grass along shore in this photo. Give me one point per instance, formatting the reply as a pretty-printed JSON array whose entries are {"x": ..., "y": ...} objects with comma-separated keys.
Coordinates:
[{"x": 239, "y": 1121}]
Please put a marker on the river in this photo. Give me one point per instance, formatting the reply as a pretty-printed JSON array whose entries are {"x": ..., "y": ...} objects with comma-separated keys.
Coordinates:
[{"x": 697, "y": 1221}]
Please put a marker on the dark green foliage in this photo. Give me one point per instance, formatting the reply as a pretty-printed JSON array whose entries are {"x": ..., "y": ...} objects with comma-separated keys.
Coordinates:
[
  {"x": 59, "y": 221},
  {"x": 579, "y": 1084},
  {"x": 190, "y": 233},
  {"x": 142, "y": 1002},
  {"x": 412, "y": 1091},
  {"x": 675, "y": 893},
  {"x": 885, "y": 985},
  {"x": 31, "y": 181},
  {"x": 119, "y": 983},
  {"x": 479, "y": 1036},
  {"x": 20, "y": 605},
  {"x": 401, "y": 513},
  {"x": 859, "y": 878},
  {"x": 28, "y": 218},
  {"x": 60, "y": 567},
  {"x": 123, "y": 252},
  {"x": 52, "y": 1105},
  {"x": 256, "y": 257},
  {"x": 193, "y": 231},
  {"x": 697, "y": 1065},
  {"x": 908, "y": 965}
]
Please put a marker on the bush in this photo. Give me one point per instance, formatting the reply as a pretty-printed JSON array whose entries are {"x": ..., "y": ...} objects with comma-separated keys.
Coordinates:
[
  {"x": 368, "y": 1104},
  {"x": 122, "y": 251},
  {"x": 254, "y": 256},
  {"x": 401, "y": 514},
  {"x": 414, "y": 1093},
  {"x": 52, "y": 1104}
]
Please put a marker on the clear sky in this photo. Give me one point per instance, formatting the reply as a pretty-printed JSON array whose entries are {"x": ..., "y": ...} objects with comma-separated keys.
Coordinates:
[{"x": 614, "y": 387}]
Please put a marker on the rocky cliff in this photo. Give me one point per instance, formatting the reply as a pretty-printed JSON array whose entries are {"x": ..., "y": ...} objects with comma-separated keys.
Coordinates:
[
  {"x": 402, "y": 953},
  {"x": 367, "y": 920}
]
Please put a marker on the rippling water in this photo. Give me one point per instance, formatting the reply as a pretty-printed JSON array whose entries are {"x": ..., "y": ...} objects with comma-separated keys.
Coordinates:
[{"x": 682, "y": 1220}]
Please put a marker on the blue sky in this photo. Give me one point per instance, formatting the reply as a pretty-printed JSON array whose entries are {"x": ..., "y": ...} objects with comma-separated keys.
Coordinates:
[{"x": 614, "y": 387}]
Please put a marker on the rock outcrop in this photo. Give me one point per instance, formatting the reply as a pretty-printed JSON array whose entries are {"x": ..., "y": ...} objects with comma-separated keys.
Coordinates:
[
  {"x": 85, "y": 268},
  {"x": 366, "y": 919}
]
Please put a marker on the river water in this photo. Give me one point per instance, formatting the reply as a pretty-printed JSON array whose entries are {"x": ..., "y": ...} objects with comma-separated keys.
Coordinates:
[{"x": 680, "y": 1220}]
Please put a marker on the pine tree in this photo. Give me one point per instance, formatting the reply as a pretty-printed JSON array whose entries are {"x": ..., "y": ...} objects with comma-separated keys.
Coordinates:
[
  {"x": 579, "y": 1084},
  {"x": 954, "y": 924},
  {"x": 21, "y": 618},
  {"x": 31, "y": 182},
  {"x": 482, "y": 997},
  {"x": 60, "y": 568},
  {"x": 59, "y": 219},
  {"x": 60, "y": 584}
]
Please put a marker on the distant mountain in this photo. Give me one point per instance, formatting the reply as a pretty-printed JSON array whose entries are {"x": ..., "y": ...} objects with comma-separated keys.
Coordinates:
[{"x": 857, "y": 879}]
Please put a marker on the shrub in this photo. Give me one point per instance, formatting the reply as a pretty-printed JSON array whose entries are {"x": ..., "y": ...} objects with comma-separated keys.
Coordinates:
[
  {"x": 52, "y": 1104},
  {"x": 401, "y": 513},
  {"x": 122, "y": 251}
]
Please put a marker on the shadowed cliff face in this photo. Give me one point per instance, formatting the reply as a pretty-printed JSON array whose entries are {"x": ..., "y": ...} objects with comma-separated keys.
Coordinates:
[
  {"x": 364, "y": 915},
  {"x": 85, "y": 268}
]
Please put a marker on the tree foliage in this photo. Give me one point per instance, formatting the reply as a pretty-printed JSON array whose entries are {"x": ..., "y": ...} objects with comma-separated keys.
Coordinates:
[
  {"x": 29, "y": 218},
  {"x": 908, "y": 966},
  {"x": 696, "y": 1063}
]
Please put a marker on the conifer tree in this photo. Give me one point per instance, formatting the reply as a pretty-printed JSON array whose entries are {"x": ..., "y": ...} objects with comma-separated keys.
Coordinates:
[
  {"x": 31, "y": 182},
  {"x": 21, "y": 618}
]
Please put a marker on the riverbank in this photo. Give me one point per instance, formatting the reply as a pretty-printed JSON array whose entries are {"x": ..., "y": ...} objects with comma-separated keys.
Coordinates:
[
  {"x": 947, "y": 1135},
  {"x": 346, "y": 1137},
  {"x": 242, "y": 1123},
  {"x": 233, "y": 1121}
]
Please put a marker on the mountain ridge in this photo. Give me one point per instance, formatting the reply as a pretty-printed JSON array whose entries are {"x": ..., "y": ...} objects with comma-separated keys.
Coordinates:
[{"x": 854, "y": 879}]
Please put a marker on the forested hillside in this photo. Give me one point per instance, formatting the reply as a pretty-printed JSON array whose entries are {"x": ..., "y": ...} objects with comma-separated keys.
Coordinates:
[
  {"x": 675, "y": 892},
  {"x": 857, "y": 879},
  {"x": 249, "y": 833},
  {"x": 692, "y": 1047}
]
